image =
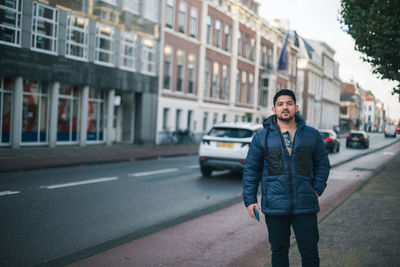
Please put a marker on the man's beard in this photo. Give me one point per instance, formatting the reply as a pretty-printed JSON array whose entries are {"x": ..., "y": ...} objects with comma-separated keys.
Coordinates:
[{"x": 288, "y": 119}]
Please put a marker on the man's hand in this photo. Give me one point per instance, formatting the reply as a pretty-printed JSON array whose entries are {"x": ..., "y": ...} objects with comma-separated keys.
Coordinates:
[
  {"x": 316, "y": 192},
  {"x": 251, "y": 211}
]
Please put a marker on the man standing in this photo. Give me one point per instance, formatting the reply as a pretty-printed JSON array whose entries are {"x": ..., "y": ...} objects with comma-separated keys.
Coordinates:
[{"x": 290, "y": 160}]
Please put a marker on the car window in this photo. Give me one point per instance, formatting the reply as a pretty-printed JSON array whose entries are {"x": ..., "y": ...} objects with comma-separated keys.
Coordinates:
[
  {"x": 230, "y": 132},
  {"x": 324, "y": 134},
  {"x": 356, "y": 134}
]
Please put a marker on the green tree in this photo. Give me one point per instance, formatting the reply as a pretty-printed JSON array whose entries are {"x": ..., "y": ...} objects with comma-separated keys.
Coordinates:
[{"x": 375, "y": 28}]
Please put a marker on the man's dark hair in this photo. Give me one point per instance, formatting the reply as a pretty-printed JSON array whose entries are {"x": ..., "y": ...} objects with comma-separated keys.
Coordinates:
[{"x": 284, "y": 92}]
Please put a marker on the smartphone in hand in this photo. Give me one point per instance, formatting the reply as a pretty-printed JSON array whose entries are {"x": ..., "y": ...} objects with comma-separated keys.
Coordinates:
[{"x": 257, "y": 214}]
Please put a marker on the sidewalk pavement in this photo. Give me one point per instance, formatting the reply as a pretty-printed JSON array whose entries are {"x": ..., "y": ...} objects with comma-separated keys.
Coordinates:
[
  {"x": 364, "y": 229},
  {"x": 28, "y": 158}
]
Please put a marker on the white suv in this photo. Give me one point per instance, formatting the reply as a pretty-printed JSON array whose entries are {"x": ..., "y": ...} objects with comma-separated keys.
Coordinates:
[{"x": 225, "y": 147}]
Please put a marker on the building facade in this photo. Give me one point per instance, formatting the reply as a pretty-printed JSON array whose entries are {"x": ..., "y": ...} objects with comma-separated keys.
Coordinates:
[
  {"x": 319, "y": 84},
  {"x": 78, "y": 72},
  {"x": 351, "y": 107},
  {"x": 219, "y": 63}
]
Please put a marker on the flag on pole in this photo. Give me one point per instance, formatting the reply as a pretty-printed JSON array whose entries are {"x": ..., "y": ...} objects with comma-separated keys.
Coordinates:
[{"x": 282, "y": 57}]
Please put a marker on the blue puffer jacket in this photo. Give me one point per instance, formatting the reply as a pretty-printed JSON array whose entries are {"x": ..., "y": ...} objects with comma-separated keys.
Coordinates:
[{"x": 288, "y": 183}]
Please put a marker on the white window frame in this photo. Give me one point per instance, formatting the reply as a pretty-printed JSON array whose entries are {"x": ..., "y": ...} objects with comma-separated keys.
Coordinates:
[
  {"x": 225, "y": 81},
  {"x": 179, "y": 57},
  {"x": 207, "y": 77},
  {"x": 17, "y": 11},
  {"x": 131, "y": 6},
  {"x": 191, "y": 70},
  {"x": 169, "y": 13},
  {"x": 110, "y": 38},
  {"x": 218, "y": 33},
  {"x": 227, "y": 33},
  {"x": 150, "y": 10},
  {"x": 69, "y": 33},
  {"x": 99, "y": 99},
  {"x": 36, "y": 20},
  {"x": 216, "y": 75},
  {"x": 4, "y": 91},
  {"x": 128, "y": 41},
  {"x": 182, "y": 17},
  {"x": 209, "y": 30},
  {"x": 193, "y": 22},
  {"x": 148, "y": 49},
  {"x": 170, "y": 56}
]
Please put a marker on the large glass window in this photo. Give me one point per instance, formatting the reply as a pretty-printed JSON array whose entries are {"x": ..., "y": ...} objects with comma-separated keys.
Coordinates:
[
  {"x": 227, "y": 37},
  {"x": 167, "y": 67},
  {"x": 180, "y": 70},
  {"x": 128, "y": 50},
  {"x": 191, "y": 73},
  {"x": 193, "y": 22},
  {"x": 207, "y": 67},
  {"x": 169, "y": 14},
  {"x": 244, "y": 87},
  {"x": 209, "y": 25},
  {"x": 246, "y": 46},
  {"x": 68, "y": 114},
  {"x": 35, "y": 112},
  {"x": 150, "y": 10},
  {"x": 148, "y": 56},
  {"x": 239, "y": 43},
  {"x": 215, "y": 80},
  {"x": 218, "y": 33},
  {"x": 96, "y": 116},
  {"x": 10, "y": 22},
  {"x": 225, "y": 82},
  {"x": 131, "y": 5},
  {"x": 44, "y": 28},
  {"x": 182, "y": 17},
  {"x": 252, "y": 48},
  {"x": 6, "y": 85},
  {"x": 77, "y": 37},
  {"x": 104, "y": 44}
]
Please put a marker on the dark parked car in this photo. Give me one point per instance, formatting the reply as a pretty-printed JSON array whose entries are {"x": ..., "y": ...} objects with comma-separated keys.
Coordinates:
[
  {"x": 357, "y": 139},
  {"x": 331, "y": 140}
]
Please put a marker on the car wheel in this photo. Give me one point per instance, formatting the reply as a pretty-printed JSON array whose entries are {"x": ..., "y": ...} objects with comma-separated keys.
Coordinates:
[{"x": 206, "y": 171}]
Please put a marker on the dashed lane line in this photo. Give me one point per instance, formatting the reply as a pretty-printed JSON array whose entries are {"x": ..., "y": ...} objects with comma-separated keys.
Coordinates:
[
  {"x": 141, "y": 174},
  {"x": 6, "y": 193},
  {"x": 92, "y": 181}
]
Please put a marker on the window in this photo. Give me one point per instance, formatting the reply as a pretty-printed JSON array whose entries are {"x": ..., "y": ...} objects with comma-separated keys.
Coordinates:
[
  {"x": 35, "y": 112},
  {"x": 207, "y": 78},
  {"x": 104, "y": 44},
  {"x": 227, "y": 37},
  {"x": 191, "y": 74},
  {"x": 193, "y": 22},
  {"x": 167, "y": 67},
  {"x": 180, "y": 70},
  {"x": 209, "y": 25},
  {"x": 246, "y": 46},
  {"x": 10, "y": 22},
  {"x": 77, "y": 37},
  {"x": 165, "y": 118},
  {"x": 189, "y": 119},
  {"x": 218, "y": 33},
  {"x": 150, "y": 10},
  {"x": 224, "y": 117},
  {"x": 263, "y": 92},
  {"x": 131, "y": 5},
  {"x": 251, "y": 89},
  {"x": 215, "y": 119},
  {"x": 44, "y": 28},
  {"x": 111, "y": 2},
  {"x": 215, "y": 80},
  {"x": 225, "y": 82},
  {"x": 178, "y": 119},
  {"x": 205, "y": 121},
  {"x": 169, "y": 14},
  {"x": 244, "y": 84},
  {"x": 239, "y": 43},
  {"x": 238, "y": 86},
  {"x": 182, "y": 17},
  {"x": 128, "y": 50},
  {"x": 68, "y": 114},
  {"x": 252, "y": 48},
  {"x": 6, "y": 88},
  {"x": 96, "y": 116},
  {"x": 148, "y": 56}
]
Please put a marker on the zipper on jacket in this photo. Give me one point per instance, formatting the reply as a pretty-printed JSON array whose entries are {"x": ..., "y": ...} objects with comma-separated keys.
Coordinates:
[{"x": 289, "y": 158}]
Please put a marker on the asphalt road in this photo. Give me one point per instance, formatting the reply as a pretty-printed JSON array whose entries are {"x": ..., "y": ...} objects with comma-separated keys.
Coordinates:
[{"x": 74, "y": 212}]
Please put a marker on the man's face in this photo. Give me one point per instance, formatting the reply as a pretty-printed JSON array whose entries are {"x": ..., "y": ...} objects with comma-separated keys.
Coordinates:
[{"x": 285, "y": 108}]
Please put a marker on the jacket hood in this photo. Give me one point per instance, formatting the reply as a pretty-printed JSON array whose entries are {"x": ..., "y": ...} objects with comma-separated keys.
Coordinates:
[{"x": 271, "y": 120}]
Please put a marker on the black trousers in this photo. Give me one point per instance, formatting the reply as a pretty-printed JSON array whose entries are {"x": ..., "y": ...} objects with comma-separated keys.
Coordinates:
[{"x": 306, "y": 232}]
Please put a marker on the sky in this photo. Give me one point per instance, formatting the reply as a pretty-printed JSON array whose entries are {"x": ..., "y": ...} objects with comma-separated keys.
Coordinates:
[{"x": 318, "y": 20}]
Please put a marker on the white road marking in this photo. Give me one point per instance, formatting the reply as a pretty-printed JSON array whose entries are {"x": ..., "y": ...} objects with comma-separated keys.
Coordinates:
[
  {"x": 5, "y": 193},
  {"x": 388, "y": 153},
  {"x": 140, "y": 174},
  {"x": 192, "y": 166},
  {"x": 99, "y": 180}
]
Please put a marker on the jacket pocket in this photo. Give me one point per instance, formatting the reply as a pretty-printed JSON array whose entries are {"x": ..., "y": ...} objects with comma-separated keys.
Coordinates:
[
  {"x": 274, "y": 160},
  {"x": 303, "y": 161}
]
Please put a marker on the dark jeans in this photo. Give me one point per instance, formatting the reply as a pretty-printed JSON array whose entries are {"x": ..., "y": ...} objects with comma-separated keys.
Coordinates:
[{"x": 306, "y": 231}]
